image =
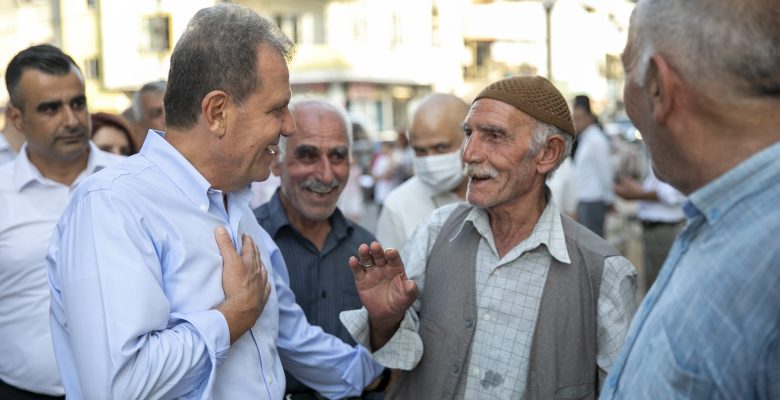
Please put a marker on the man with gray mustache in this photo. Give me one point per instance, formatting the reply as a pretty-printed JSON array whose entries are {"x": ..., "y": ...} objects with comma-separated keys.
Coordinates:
[
  {"x": 314, "y": 236},
  {"x": 503, "y": 297}
]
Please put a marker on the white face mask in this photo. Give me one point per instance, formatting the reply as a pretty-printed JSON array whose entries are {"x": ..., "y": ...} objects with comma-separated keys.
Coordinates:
[{"x": 441, "y": 172}]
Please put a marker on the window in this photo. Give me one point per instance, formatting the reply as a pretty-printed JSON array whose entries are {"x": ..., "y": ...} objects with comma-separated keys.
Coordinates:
[
  {"x": 92, "y": 68},
  {"x": 289, "y": 25},
  {"x": 158, "y": 33}
]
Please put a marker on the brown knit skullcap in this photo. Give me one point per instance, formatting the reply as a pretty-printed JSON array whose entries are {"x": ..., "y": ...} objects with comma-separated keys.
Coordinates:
[{"x": 533, "y": 95}]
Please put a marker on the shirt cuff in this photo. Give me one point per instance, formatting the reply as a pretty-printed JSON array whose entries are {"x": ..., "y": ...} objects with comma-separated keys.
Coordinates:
[
  {"x": 213, "y": 328},
  {"x": 403, "y": 351}
]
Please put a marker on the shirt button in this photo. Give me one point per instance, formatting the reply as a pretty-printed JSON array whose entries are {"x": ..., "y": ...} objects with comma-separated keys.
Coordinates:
[
  {"x": 204, "y": 207},
  {"x": 475, "y": 371},
  {"x": 468, "y": 323},
  {"x": 270, "y": 380},
  {"x": 323, "y": 294},
  {"x": 455, "y": 369},
  {"x": 487, "y": 317}
]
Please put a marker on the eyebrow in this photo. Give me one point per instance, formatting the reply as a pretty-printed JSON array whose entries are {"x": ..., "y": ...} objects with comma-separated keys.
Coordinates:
[{"x": 492, "y": 128}]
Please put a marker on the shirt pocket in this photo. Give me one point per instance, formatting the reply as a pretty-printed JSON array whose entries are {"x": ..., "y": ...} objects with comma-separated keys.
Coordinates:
[{"x": 677, "y": 374}]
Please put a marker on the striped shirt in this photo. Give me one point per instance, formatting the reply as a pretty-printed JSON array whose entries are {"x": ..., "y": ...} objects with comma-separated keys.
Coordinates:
[{"x": 321, "y": 280}]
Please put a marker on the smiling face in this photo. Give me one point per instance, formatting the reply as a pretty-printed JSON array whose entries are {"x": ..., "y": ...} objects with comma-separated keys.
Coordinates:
[
  {"x": 54, "y": 117},
  {"x": 253, "y": 128},
  {"x": 499, "y": 164},
  {"x": 315, "y": 166}
]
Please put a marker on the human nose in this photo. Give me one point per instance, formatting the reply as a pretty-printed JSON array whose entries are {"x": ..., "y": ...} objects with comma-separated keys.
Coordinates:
[
  {"x": 288, "y": 124},
  {"x": 70, "y": 119},
  {"x": 471, "y": 149},
  {"x": 325, "y": 170}
]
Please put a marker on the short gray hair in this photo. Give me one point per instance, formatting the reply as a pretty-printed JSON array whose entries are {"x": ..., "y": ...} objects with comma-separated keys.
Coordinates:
[
  {"x": 136, "y": 106},
  {"x": 298, "y": 101},
  {"x": 218, "y": 51},
  {"x": 542, "y": 132},
  {"x": 733, "y": 46}
]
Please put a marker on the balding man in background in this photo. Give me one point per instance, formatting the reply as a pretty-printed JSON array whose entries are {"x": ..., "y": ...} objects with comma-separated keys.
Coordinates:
[
  {"x": 438, "y": 180},
  {"x": 147, "y": 111}
]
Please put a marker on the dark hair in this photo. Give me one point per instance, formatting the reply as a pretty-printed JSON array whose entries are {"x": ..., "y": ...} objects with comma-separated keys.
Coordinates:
[
  {"x": 218, "y": 51},
  {"x": 43, "y": 57},
  {"x": 102, "y": 119},
  {"x": 582, "y": 101}
]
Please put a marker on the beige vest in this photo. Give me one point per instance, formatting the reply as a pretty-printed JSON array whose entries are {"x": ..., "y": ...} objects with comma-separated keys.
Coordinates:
[{"x": 563, "y": 354}]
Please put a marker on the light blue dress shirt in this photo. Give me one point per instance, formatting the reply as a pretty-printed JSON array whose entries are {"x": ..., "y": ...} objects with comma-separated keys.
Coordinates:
[
  {"x": 710, "y": 326},
  {"x": 135, "y": 276}
]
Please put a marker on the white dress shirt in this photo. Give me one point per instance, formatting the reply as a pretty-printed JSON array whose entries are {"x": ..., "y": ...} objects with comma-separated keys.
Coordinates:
[
  {"x": 405, "y": 207},
  {"x": 30, "y": 205},
  {"x": 593, "y": 167},
  {"x": 668, "y": 208},
  {"x": 508, "y": 292},
  {"x": 136, "y": 275}
]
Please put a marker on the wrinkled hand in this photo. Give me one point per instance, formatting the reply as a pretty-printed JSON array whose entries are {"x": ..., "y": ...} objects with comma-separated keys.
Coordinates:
[
  {"x": 383, "y": 287},
  {"x": 245, "y": 282}
]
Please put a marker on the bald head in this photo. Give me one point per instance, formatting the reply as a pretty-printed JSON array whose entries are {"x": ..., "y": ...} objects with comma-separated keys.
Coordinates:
[{"x": 435, "y": 127}]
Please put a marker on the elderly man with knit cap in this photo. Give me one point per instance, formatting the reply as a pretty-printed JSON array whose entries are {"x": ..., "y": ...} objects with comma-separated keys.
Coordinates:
[{"x": 516, "y": 300}]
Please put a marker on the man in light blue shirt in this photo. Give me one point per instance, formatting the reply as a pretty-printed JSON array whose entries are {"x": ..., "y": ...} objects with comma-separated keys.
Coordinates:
[
  {"x": 145, "y": 303},
  {"x": 706, "y": 97}
]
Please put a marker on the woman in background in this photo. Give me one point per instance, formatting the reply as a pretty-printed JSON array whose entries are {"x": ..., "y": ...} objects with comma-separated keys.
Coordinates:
[{"x": 111, "y": 133}]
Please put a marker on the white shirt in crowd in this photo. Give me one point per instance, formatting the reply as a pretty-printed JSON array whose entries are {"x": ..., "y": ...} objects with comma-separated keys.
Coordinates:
[
  {"x": 593, "y": 167},
  {"x": 7, "y": 154},
  {"x": 405, "y": 207},
  {"x": 30, "y": 205},
  {"x": 668, "y": 208}
]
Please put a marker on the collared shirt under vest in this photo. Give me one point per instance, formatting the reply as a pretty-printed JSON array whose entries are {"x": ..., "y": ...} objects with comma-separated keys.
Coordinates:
[{"x": 543, "y": 321}]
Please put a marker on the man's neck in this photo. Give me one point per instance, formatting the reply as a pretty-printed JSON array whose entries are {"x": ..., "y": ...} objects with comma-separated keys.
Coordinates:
[
  {"x": 64, "y": 172},
  {"x": 513, "y": 223},
  {"x": 315, "y": 231}
]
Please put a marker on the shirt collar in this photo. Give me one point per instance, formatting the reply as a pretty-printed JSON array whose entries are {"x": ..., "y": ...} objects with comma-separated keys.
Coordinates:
[
  {"x": 25, "y": 172},
  {"x": 717, "y": 197},
  {"x": 173, "y": 164},
  {"x": 548, "y": 231},
  {"x": 277, "y": 218}
]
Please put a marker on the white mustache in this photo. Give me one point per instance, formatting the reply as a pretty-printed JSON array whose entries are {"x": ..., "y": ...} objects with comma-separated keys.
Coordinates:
[
  {"x": 320, "y": 187},
  {"x": 479, "y": 171}
]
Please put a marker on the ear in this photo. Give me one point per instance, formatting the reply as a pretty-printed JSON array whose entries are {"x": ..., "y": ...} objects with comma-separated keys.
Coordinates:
[
  {"x": 15, "y": 115},
  {"x": 214, "y": 107},
  {"x": 663, "y": 83},
  {"x": 549, "y": 155}
]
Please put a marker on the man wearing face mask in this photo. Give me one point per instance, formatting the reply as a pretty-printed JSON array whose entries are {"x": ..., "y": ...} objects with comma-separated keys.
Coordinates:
[{"x": 436, "y": 137}]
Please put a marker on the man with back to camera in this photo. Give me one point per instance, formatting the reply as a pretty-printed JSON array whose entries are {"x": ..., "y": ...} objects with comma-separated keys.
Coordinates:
[
  {"x": 158, "y": 308},
  {"x": 302, "y": 218},
  {"x": 49, "y": 106},
  {"x": 517, "y": 300},
  {"x": 438, "y": 180},
  {"x": 706, "y": 97}
]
